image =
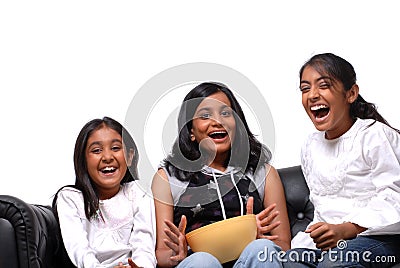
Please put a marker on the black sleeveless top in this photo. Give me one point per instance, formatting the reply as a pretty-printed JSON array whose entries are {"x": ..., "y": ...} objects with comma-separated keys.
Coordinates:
[{"x": 201, "y": 203}]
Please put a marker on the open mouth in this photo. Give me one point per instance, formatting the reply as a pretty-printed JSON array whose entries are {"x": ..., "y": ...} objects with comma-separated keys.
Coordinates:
[
  {"x": 218, "y": 135},
  {"x": 108, "y": 170},
  {"x": 320, "y": 111}
]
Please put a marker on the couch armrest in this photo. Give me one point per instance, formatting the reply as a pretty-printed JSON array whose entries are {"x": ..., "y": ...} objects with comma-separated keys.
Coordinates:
[
  {"x": 29, "y": 234},
  {"x": 300, "y": 209}
]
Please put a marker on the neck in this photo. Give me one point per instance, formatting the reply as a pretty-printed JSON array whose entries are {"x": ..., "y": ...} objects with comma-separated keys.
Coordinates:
[
  {"x": 219, "y": 162},
  {"x": 107, "y": 194},
  {"x": 336, "y": 133}
]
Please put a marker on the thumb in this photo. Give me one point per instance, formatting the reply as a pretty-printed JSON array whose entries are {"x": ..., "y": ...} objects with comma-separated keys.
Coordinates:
[
  {"x": 249, "y": 205},
  {"x": 182, "y": 224}
]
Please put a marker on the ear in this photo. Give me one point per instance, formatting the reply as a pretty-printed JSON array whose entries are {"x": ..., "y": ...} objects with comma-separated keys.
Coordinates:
[
  {"x": 352, "y": 94},
  {"x": 192, "y": 137},
  {"x": 130, "y": 156}
]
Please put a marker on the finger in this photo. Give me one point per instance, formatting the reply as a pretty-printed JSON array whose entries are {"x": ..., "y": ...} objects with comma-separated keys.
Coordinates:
[
  {"x": 172, "y": 227},
  {"x": 321, "y": 231},
  {"x": 249, "y": 205},
  {"x": 172, "y": 236},
  {"x": 265, "y": 212},
  {"x": 267, "y": 229},
  {"x": 325, "y": 245},
  {"x": 171, "y": 245},
  {"x": 182, "y": 224},
  {"x": 176, "y": 259},
  {"x": 268, "y": 220},
  {"x": 313, "y": 227}
]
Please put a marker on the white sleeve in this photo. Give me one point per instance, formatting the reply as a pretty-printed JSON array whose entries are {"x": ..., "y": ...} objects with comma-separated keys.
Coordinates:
[
  {"x": 72, "y": 224},
  {"x": 382, "y": 153},
  {"x": 144, "y": 229}
]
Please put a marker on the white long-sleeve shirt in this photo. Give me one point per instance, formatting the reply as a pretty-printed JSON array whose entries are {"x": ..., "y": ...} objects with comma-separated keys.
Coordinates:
[
  {"x": 354, "y": 178},
  {"x": 124, "y": 227}
]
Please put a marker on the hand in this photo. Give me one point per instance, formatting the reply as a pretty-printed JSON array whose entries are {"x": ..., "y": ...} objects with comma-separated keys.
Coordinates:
[
  {"x": 177, "y": 240},
  {"x": 131, "y": 264},
  {"x": 264, "y": 220},
  {"x": 326, "y": 236}
]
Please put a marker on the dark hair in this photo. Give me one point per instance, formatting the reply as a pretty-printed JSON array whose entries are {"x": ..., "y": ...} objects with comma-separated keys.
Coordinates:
[
  {"x": 185, "y": 149},
  {"x": 341, "y": 70},
  {"x": 83, "y": 181}
]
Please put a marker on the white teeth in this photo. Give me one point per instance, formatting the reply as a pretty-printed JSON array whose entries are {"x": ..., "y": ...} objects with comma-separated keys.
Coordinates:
[
  {"x": 108, "y": 169},
  {"x": 317, "y": 107},
  {"x": 218, "y": 132}
]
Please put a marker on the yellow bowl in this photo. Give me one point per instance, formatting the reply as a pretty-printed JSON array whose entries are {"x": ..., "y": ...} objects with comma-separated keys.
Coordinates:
[{"x": 225, "y": 239}]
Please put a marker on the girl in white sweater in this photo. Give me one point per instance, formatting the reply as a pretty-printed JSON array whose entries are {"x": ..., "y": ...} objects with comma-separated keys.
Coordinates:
[
  {"x": 106, "y": 220},
  {"x": 352, "y": 167}
]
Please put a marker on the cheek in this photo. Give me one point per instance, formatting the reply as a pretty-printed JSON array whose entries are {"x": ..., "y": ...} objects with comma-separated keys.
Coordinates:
[
  {"x": 232, "y": 127},
  {"x": 304, "y": 100},
  {"x": 91, "y": 164},
  {"x": 199, "y": 130}
]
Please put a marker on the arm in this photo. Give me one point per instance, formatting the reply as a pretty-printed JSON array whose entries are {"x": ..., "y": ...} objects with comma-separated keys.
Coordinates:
[
  {"x": 274, "y": 194},
  {"x": 381, "y": 152},
  {"x": 143, "y": 234},
  {"x": 72, "y": 224},
  {"x": 163, "y": 201}
]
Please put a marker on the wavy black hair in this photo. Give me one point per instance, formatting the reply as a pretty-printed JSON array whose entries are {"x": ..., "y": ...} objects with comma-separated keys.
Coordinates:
[
  {"x": 341, "y": 70},
  {"x": 184, "y": 150},
  {"x": 83, "y": 182}
]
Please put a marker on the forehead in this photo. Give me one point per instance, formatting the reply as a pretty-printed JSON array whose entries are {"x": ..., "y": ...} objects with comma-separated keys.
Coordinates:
[
  {"x": 310, "y": 72},
  {"x": 103, "y": 134},
  {"x": 215, "y": 100}
]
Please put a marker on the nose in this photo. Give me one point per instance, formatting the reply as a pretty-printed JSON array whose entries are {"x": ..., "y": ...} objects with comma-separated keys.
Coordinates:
[
  {"x": 313, "y": 93},
  {"x": 217, "y": 120},
  {"x": 107, "y": 156}
]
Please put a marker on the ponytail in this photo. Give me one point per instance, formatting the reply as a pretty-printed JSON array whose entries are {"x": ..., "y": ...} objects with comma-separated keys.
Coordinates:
[{"x": 365, "y": 110}]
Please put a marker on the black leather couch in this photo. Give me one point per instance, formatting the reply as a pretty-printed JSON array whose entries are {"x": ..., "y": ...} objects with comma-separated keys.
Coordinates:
[{"x": 30, "y": 237}]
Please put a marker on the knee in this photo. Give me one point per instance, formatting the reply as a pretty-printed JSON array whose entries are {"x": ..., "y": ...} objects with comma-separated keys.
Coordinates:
[
  {"x": 261, "y": 249},
  {"x": 261, "y": 253},
  {"x": 200, "y": 259},
  {"x": 262, "y": 245}
]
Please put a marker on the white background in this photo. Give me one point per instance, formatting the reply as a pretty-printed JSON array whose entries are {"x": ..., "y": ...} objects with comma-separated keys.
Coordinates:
[{"x": 65, "y": 63}]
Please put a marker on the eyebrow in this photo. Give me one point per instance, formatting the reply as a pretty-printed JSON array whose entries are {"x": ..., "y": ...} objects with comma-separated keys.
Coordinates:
[
  {"x": 207, "y": 108},
  {"x": 318, "y": 79}
]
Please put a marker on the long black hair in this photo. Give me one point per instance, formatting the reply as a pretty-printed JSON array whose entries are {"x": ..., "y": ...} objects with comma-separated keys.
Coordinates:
[
  {"x": 83, "y": 181},
  {"x": 245, "y": 147},
  {"x": 341, "y": 70}
]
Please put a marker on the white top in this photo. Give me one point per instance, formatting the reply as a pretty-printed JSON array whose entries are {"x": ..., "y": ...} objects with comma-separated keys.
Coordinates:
[
  {"x": 124, "y": 227},
  {"x": 354, "y": 178}
]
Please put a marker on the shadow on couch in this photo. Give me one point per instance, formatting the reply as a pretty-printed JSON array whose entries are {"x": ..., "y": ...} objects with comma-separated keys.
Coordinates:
[{"x": 30, "y": 236}]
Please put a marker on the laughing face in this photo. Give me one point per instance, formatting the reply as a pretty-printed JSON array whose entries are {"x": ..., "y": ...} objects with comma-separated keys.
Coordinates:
[
  {"x": 327, "y": 103},
  {"x": 105, "y": 159},
  {"x": 214, "y": 125}
]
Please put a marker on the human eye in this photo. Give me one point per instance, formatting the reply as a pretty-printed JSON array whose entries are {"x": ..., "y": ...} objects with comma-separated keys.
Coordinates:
[
  {"x": 324, "y": 85},
  {"x": 95, "y": 150},
  {"x": 116, "y": 148},
  {"x": 304, "y": 88},
  {"x": 226, "y": 113},
  {"x": 205, "y": 115}
]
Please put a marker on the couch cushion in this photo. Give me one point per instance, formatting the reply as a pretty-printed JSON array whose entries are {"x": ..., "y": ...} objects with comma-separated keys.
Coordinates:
[
  {"x": 34, "y": 230},
  {"x": 300, "y": 209}
]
